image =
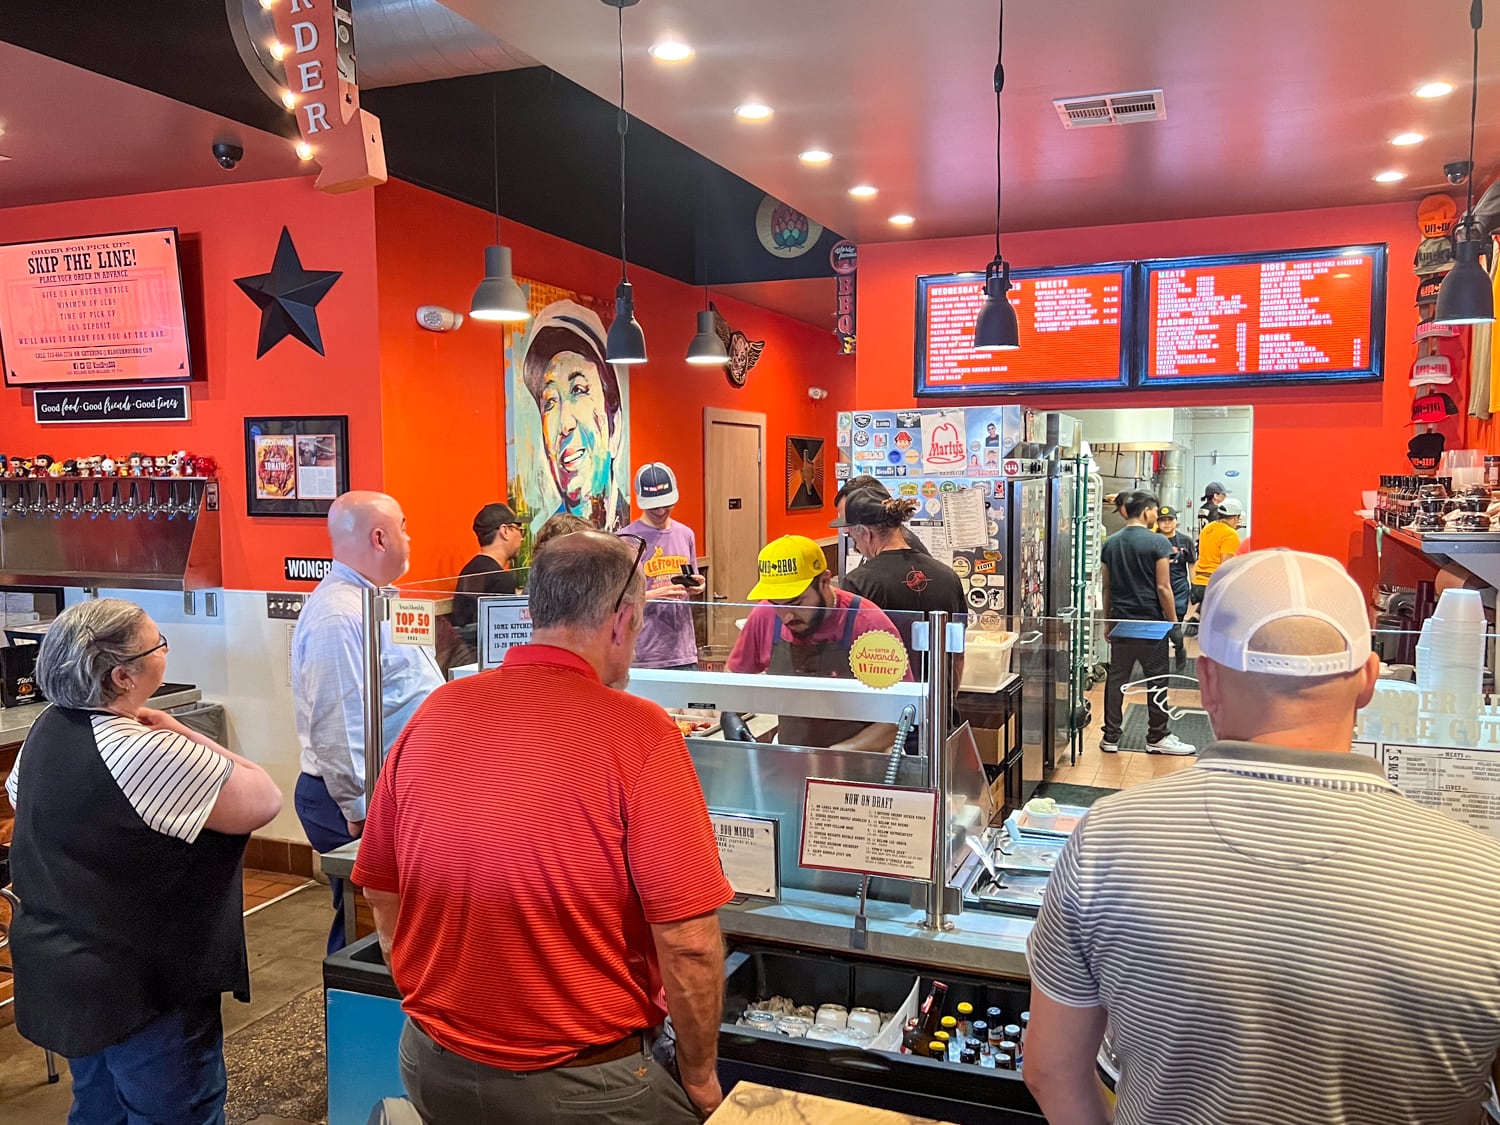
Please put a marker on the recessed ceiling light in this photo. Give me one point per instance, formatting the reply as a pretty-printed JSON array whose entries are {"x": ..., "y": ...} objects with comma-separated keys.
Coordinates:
[
  {"x": 864, "y": 191},
  {"x": 1404, "y": 139},
  {"x": 1434, "y": 90},
  {"x": 902, "y": 220},
  {"x": 670, "y": 50},
  {"x": 304, "y": 151},
  {"x": 752, "y": 111},
  {"x": 815, "y": 156},
  {"x": 1390, "y": 176}
]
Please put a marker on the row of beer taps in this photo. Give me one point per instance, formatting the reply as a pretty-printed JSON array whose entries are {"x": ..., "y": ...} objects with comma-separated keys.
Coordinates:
[{"x": 127, "y": 497}]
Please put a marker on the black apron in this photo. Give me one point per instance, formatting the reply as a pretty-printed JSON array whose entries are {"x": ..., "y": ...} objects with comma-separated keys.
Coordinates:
[{"x": 822, "y": 658}]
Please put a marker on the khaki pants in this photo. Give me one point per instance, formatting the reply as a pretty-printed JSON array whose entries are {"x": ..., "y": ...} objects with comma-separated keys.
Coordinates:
[{"x": 448, "y": 1089}]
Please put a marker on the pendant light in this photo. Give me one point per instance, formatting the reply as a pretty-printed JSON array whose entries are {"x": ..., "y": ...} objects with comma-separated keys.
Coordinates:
[
  {"x": 996, "y": 329},
  {"x": 498, "y": 299},
  {"x": 706, "y": 350},
  {"x": 626, "y": 343},
  {"x": 1465, "y": 297}
]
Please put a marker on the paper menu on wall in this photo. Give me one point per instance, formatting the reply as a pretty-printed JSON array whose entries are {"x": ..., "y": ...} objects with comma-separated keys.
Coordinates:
[
  {"x": 964, "y": 519},
  {"x": 1462, "y": 782},
  {"x": 944, "y": 442},
  {"x": 934, "y": 536}
]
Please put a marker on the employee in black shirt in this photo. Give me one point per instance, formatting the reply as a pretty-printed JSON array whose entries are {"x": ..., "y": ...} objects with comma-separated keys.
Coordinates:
[
  {"x": 865, "y": 481},
  {"x": 903, "y": 582},
  {"x": 499, "y": 534},
  {"x": 1184, "y": 555},
  {"x": 1141, "y": 609}
]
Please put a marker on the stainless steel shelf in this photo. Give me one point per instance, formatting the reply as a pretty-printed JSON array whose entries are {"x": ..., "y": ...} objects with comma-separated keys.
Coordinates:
[{"x": 1475, "y": 551}]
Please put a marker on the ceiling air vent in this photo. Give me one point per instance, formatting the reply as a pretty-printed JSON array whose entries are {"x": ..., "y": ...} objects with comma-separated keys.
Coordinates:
[{"x": 1111, "y": 109}]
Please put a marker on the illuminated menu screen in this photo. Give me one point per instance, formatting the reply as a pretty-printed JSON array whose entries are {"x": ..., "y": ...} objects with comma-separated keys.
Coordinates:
[
  {"x": 1276, "y": 318},
  {"x": 1071, "y": 332}
]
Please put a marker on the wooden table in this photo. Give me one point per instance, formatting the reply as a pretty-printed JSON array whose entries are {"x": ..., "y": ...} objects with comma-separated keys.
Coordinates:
[{"x": 750, "y": 1103}]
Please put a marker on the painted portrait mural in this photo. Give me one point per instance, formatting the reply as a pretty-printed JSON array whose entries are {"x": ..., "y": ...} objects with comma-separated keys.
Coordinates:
[{"x": 567, "y": 416}]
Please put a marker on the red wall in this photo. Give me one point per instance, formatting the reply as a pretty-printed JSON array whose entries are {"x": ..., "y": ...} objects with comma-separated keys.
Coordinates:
[
  {"x": 1315, "y": 448},
  {"x": 234, "y": 230},
  {"x": 443, "y": 395}
]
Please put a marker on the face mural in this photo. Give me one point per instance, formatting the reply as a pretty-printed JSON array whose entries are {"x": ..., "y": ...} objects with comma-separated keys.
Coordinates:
[{"x": 568, "y": 419}]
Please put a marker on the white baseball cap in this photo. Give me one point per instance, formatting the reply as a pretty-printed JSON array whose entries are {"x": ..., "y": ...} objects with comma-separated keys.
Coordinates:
[{"x": 1250, "y": 591}]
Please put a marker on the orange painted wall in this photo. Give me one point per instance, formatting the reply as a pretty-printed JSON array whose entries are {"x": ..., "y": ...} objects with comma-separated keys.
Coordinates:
[
  {"x": 443, "y": 395},
  {"x": 1315, "y": 447},
  {"x": 234, "y": 229}
]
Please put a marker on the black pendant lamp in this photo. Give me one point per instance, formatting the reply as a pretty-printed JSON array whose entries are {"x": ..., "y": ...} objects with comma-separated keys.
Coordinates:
[
  {"x": 996, "y": 329},
  {"x": 626, "y": 343},
  {"x": 498, "y": 299},
  {"x": 1465, "y": 297},
  {"x": 706, "y": 350}
]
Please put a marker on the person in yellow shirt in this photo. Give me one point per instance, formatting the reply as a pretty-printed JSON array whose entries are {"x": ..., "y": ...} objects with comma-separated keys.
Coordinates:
[{"x": 1220, "y": 540}]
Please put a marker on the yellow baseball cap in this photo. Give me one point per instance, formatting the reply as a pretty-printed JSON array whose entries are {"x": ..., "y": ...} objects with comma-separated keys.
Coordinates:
[{"x": 787, "y": 567}]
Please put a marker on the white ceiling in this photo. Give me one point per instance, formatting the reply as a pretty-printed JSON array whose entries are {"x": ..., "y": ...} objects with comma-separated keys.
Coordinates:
[
  {"x": 73, "y": 134},
  {"x": 1271, "y": 104}
]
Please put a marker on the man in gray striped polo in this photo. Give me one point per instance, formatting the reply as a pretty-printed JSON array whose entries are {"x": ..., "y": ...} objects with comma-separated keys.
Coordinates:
[{"x": 1275, "y": 935}]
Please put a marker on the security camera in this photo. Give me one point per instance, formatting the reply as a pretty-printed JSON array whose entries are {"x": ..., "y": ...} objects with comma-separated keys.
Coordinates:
[
  {"x": 1457, "y": 171},
  {"x": 228, "y": 154},
  {"x": 435, "y": 318}
]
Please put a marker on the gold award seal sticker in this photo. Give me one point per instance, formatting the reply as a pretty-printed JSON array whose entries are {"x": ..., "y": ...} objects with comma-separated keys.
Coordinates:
[{"x": 878, "y": 659}]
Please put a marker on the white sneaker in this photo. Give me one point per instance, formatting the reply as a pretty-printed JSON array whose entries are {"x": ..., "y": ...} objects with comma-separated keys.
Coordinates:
[
  {"x": 1109, "y": 747},
  {"x": 1171, "y": 745}
]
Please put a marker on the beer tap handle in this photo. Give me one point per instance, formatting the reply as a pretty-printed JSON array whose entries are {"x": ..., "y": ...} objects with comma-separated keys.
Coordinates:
[
  {"x": 4, "y": 500},
  {"x": 133, "y": 501},
  {"x": 75, "y": 505},
  {"x": 55, "y": 505},
  {"x": 171, "y": 508},
  {"x": 195, "y": 498},
  {"x": 93, "y": 507}
]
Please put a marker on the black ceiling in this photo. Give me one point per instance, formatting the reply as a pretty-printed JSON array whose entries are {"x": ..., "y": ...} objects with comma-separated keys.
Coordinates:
[{"x": 557, "y": 143}]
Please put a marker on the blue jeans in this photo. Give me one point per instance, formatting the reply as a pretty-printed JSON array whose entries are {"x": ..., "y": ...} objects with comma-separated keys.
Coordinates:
[
  {"x": 170, "y": 1072},
  {"x": 326, "y": 829}
]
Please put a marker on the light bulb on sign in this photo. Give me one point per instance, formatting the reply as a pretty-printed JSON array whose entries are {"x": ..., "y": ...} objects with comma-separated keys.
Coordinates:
[
  {"x": 289, "y": 99},
  {"x": 278, "y": 50},
  {"x": 304, "y": 151}
]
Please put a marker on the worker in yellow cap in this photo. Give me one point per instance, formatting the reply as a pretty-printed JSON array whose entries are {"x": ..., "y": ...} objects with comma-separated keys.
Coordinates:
[{"x": 806, "y": 626}]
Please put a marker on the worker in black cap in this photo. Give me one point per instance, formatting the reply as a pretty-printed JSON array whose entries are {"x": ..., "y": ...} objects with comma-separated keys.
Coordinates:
[
  {"x": 499, "y": 532},
  {"x": 1180, "y": 566},
  {"x": 1213, "y": 495}
]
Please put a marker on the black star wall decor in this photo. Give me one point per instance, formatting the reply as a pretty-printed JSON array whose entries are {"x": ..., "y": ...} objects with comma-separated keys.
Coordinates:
[{"x": 288, "y": 298}]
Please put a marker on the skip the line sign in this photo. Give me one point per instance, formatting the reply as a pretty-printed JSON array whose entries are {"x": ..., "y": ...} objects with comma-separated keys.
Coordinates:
[{"x": 113, "y": 404}]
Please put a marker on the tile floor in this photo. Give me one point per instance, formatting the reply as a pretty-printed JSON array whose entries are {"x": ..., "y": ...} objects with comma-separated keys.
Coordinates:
[{"x": 263, "y": 886}]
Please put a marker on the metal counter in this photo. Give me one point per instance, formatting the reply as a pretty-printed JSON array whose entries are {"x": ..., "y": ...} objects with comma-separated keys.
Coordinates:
[{"x": 15, "y": 722}]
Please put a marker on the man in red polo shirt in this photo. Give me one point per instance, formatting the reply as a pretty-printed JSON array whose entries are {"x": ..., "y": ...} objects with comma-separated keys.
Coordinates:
[{"x": 544, "y": 875}]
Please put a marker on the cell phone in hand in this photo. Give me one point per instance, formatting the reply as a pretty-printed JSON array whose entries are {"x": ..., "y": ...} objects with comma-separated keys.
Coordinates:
[{"x": 687, "y": 579}]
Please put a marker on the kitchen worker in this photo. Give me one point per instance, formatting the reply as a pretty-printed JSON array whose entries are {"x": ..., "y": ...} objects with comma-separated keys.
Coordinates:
[
  {"x": 1240, "y": 925},
  {"x": 370, "y": 548},
  {"x": 1180, "y": 565},
  {"x": 554, "y": 873},
  {"x": 500, "y": 533},
  {"x": 1219, "y": 541},
  {"x": 667, "y": 637},
  {"x": 806, "y": 626},
  {"x": 840, "y": 498},
  {"x": 1214, "y": 494}
]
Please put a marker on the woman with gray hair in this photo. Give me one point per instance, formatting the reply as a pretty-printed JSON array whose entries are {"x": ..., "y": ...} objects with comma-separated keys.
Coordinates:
[{"x": 129, "y": 837}]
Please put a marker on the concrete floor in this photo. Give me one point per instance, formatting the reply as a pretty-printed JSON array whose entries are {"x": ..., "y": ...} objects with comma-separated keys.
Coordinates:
[{"x": 286, "y": 942}]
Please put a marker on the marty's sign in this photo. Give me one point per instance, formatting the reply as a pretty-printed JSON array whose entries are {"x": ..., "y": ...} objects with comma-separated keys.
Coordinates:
[{"x": 317, "y": 38}]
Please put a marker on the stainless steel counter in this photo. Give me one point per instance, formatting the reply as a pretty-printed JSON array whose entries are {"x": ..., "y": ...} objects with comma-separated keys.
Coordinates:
[
  {"x": 15, "y": 722},
  {"x": 983, "y": 943}
]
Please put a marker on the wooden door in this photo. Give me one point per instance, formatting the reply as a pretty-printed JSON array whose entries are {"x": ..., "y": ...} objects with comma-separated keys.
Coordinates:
[{"x": 734, "y": 503}]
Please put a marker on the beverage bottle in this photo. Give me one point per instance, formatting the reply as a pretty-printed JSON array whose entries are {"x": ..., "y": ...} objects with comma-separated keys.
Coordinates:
[{"x": 929, "y": 1020}]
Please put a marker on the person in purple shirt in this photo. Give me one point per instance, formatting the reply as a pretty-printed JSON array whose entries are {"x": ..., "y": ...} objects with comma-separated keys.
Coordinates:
[{"x": 667, "y": 638}]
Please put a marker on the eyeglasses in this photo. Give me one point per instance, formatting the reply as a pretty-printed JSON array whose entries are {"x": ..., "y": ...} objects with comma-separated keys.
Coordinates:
[
  {"x": 640, "y": 552},
  {"x": 161, "y": 643}
]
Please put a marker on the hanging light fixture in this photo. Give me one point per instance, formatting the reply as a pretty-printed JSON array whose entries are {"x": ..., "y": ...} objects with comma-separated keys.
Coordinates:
[
  {"x": 706, "y": 350},
  {"x": 1465, "y": 297},
  {"x": 626, "y": 343},
  {"x": 498, "y": 298},
  {"x": 996, "y": 330}
]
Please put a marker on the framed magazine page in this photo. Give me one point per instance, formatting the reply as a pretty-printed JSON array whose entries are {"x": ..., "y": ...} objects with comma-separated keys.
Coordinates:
[{"x": 295, "y": 466}]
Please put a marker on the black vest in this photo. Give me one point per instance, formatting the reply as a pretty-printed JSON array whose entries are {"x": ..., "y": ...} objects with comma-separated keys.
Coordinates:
[{"x": 118, "y": 924}]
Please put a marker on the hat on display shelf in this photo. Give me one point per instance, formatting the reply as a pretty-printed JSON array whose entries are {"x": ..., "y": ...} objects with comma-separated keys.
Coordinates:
[
  {"x": 1431, "y": 369},
  {"x": 1435, "y": 215},
  {"x": 1433, "y": 408}
]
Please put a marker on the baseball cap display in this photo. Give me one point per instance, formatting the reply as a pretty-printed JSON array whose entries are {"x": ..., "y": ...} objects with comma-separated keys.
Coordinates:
[
  {"x": 1250, "y": 591},
  {"x": 1429, "y": 328},
  {"x": 492, "y": 517},
  {"x": 1433, "y": 408},
  {"x": 1231, "y": 507},
  {"x": 1427, "y": 289},
  {"x": 1166, "y": 512},
  {"x": 1434, "y": 255},
  {"x": 655, "y": 486},
  {"x": 1435, "y": 215},
  {"x": 787, "y": 567},
  {"x": 1425, "y": 449},
  {"x": 1431, "y": 369}
]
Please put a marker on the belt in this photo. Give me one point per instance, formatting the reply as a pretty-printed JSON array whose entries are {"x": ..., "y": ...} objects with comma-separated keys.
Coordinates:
[{"x": 606, "y": 1052}]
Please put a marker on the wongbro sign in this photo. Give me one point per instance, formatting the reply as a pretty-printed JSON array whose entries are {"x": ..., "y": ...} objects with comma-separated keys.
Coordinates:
[{"x": 317, "y": 44}]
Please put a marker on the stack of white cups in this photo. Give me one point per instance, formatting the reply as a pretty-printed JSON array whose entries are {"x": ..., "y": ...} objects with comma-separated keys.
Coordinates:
[{"x": 1450, "y": 651}]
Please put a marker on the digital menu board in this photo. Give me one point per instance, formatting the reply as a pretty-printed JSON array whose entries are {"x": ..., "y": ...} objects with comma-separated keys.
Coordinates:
[
  {"x": 91, "y": 309},
  {"x": 1288, "y": 316},
  {"x": 1073, "y": 324}
]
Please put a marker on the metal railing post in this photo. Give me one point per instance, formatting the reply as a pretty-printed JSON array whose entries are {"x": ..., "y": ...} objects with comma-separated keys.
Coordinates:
[
  {"x": 372, "y": 613},
  {"x": 935, "y": 732}
]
